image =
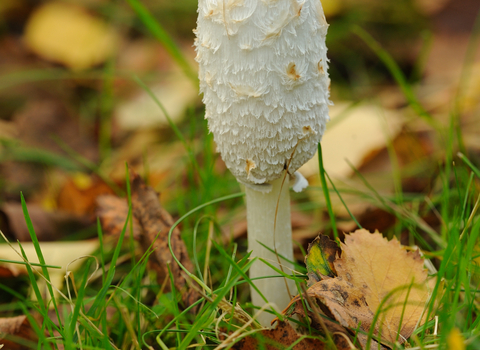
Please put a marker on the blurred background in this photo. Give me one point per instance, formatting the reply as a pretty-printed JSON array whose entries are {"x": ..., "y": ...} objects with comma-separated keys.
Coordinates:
[{"x": 77, "y": 79}]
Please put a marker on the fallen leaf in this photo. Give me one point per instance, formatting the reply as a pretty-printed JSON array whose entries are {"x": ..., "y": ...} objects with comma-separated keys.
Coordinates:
[
  {"x": 341, "y": 302},
  {"x": 321, "y": 254},
  {"x": 55, "y": 253},
  {"x": 79, "y": 193},
  {"x": 68, "y": 34},
  {"x": 315, "y": 318},
  {"x": 345, "y": 302},
  {"x": 175, "y": 93},
  {"x": 15, "y": 332},
  {"x": 281, "y": 337},
  {"x": 362, "y": 129},
  {"x": 49, "y": 226},
  {"x": 392, "y": 280},
  {"x": 112, "y": 212},
  {"x": 378, "y": 283}
]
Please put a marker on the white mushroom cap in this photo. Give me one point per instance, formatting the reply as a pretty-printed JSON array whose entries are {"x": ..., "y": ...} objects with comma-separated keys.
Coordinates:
[{"x": 263, "y": 73}]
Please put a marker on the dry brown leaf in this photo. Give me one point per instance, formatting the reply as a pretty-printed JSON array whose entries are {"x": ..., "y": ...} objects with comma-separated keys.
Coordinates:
[
  {"x": 151, "y": 225},
  {"x": 49, "y": 226},
  {"x": 16, "y": 328},
  {"x": 346, "y": 302},
  {"x": 279, "y": 338},
  {"x": 375, "y": 277},
  {"x": 339, "y": 333},
  {"x": 340, "y": 301},
  {"x": 79, "y": 193},
  {"x": 390, "y": 279},
  {"x": 112, "y": 212}
]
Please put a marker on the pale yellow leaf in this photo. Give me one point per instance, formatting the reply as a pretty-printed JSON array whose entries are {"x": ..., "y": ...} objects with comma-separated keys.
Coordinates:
[
  {"x": 353, "y": 133},
  {"x": 67, "y": 34},
  {"x": 392, "y": 280},
  {"x": 175, "y": 93},
  {"x": 55, "y": 253}
]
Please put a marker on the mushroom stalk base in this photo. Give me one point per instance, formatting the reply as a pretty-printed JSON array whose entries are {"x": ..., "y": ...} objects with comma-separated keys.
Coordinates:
[{"x": 261, "y": 216}]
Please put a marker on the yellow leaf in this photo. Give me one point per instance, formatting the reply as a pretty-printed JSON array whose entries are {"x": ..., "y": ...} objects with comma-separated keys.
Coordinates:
[
  {"x": 67, "y": 34},
  {"x": 332, "y": 7},
  {"x": 455, "y": 340},
  {"x": 393, "y": 281},
  {"x": 362, "y": 130}
]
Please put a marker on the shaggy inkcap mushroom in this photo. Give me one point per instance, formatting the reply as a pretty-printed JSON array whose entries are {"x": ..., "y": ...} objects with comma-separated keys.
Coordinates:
[{"x": 263, "y": 73}]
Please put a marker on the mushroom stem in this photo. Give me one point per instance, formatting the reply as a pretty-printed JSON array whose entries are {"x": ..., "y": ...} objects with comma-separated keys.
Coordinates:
[{"x": 273, "y": 228}]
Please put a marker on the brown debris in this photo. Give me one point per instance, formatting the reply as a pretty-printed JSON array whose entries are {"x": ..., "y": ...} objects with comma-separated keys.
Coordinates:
[
  {"x": 49, "y": 226},
  {"x": 280, "y": 337},
  {"x": 113, "y": 212},
  {"x": 151, "y": 226},
  {"x": 16, "y": 328}
]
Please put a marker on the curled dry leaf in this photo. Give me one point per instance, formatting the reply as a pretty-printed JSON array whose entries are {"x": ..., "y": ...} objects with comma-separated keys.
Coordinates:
[
  {"x": 321, "y": 254},
  {"x": 113, "y": 212},
  {"x": 155, "y": 223}
]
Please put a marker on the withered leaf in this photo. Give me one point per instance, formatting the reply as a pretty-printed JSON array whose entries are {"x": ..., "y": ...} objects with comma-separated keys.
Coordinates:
[
  {"x": 15, "y": 332},
  {"x": 113, "y": 212},
  {"x": 280, "y": 337},
  {"x": 49, "y": 226},
  {"x": 392, "y": 280},
  {"x": 377, "y": 281},
  {"x": 345, "y": 302},
  {"x": 79, "y": 193},
  {"x": 338, "y": 300},
  {"x": 321, "y": 254}
]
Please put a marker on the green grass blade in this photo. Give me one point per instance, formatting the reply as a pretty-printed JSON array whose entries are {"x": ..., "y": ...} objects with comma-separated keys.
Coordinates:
[
  {"x": 218, "y": 200},
  {"x": 397, "y": 74},
  {"x": 39, "y": 253},
  {"x": 100, "y": 297},
  {"x": 14, "y": 152},
  {"x": 80, "y": 297},
  {"x": 7, "y": 261},
  {"x": 325, "y": 192},
  {"x": 470, "y": 164},
  {"x": 161, "y": 35}
]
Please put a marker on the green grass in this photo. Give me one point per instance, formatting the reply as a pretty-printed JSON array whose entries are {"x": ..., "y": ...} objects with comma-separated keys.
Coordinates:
[{"x": 125, "y": 308}]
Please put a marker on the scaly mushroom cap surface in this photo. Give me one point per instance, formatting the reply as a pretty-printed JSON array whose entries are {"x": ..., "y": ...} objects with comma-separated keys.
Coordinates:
[{"x": 263, "y": 75}]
